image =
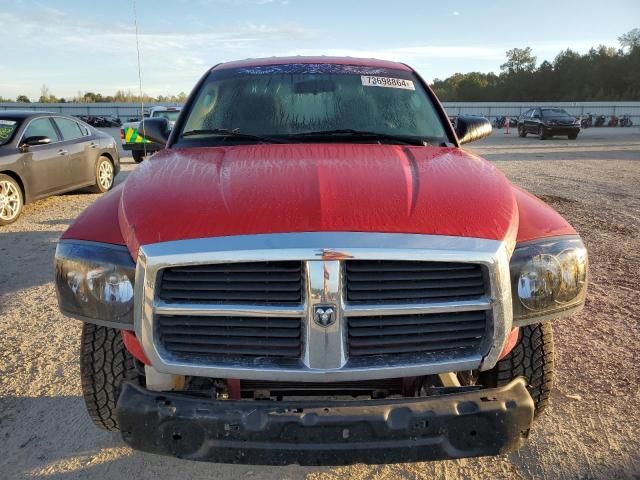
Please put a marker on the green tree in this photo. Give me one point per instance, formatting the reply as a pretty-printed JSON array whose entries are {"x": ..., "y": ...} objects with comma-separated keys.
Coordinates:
[
  {"x": 23, "y": 99},
  {"x": 519, "y": 60},
  {"x": 631, "y": 39}
]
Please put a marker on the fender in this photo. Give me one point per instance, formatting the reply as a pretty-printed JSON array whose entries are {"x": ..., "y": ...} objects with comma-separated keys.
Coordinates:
[
  {"x": 537, "y": 219},
  {"x": 99, "y": 221}
]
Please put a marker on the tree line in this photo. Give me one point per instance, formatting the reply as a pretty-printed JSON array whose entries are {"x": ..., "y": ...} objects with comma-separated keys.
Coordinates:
[
  {"x": 122, "y": 96},
  {"x": 603, "y": 73}
]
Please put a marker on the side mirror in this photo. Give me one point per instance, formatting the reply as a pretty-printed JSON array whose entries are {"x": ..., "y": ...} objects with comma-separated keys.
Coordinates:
[
  {"x": 34, "y": 141},
  {"x": 155, "y": 129},
  {"x": 470, "y": 129}
]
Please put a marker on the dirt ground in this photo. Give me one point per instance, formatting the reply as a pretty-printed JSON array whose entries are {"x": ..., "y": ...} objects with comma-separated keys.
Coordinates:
[{"x": 591, "y": 431}]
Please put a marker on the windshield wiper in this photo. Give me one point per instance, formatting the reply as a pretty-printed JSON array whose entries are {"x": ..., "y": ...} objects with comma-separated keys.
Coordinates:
[
  {"x": 351, "y": 133},
  {"x": 225, "y": 132}
]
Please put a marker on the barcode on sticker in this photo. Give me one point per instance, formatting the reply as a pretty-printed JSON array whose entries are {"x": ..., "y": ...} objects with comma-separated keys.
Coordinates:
[{"x": 369, "y": 81}]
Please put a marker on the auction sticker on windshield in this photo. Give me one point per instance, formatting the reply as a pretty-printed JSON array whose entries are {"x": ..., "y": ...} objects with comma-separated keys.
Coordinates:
[{"x": 369, "y": 81}]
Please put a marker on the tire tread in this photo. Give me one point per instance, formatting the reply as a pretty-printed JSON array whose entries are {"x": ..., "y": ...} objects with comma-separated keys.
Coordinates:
[
  {"x": 533, "y": 358},
  {"x": 104, "y": 365}
]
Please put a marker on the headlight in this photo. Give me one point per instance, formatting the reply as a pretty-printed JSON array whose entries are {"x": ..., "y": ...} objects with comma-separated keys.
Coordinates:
[
  {"x": 94, "y": 283},
  {"x": 548, "y": 277}
]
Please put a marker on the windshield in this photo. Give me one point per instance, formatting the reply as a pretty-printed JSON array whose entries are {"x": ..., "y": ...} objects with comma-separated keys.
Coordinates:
[
  {"x": 297, "y": 99},
  {"x": 171, "y": 115},
  {"x": 554, "y": 112},
  {"x": 7, "y": 129}
]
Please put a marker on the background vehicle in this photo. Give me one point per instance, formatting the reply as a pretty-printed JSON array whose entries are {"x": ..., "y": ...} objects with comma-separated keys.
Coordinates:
[
  {"x": 133, "y": 140},
  {"x": 600, "y": 119},
  {"x": 586, "y": 121},
  {"x": 499, "y": 122},
  {"x": 266, "y": 282},
  {"x": 547, "y": 122},
  {"x": 613, "y": 121},
  {"x": 625, "y": 121},
  {"x": 43, "y": 154}
]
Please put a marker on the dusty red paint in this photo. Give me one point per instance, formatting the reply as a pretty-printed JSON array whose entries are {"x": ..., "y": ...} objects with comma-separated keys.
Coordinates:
[
  {"x": 99, "y": 221},
  {"x": 512, "y": 339},
  {"x": 133, "y": 346},
  {"x": 365, "y": 62},
  {"x": 537, "y": 219},
  {"x": 238, "y": 190},
  {"x": 241, "y": 190}
]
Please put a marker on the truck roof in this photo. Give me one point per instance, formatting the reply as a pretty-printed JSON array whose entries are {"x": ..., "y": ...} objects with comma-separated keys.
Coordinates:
[
  {"x": 165, "y": 109},
  {"x": 364, "y": 62}
]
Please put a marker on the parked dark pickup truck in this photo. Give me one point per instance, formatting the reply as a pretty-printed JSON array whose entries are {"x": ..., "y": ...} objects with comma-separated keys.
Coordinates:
[{"x": 314, "y": 271}]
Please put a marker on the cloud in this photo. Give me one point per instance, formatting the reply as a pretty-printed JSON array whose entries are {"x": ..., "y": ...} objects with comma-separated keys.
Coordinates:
[
  {"x": 456, "y": 13},
  {"x": 173, "y": 56}
]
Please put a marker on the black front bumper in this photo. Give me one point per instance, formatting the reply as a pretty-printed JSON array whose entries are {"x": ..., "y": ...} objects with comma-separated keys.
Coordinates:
[
  {"x": 139, "y": 147},
  {"x": 470, "y": 424},
  {"x": 562, "y": 129}
]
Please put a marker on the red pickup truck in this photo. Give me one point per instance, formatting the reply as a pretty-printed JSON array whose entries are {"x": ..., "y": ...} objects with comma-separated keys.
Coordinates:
[{"x": 314, "y": 271}]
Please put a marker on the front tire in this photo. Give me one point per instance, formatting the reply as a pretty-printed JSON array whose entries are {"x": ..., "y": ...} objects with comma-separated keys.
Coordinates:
[
  {"x": 533, "y": 358},
  {"x": 137, "y": 155},
  {"x": 521, "y": 131},
  {"x": 104, "y": 365},
  {"x": 11, "y": 200},
  {"x": 104, "y": 175},
  {"x": 542, "y": 133},
  {"x": 573, "y": 136}
]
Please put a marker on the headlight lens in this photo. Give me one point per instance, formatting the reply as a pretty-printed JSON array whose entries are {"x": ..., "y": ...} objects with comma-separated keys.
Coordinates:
[
  {"x": 94, "y": 282},
  {"x": 548, "y": 276}
]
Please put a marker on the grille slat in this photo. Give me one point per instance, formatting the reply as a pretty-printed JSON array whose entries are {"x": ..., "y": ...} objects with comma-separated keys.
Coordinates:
[
  {"x": 395, "y": 320},
  {"x": 228, "y": 322},
  {"x": 253, "y": 283},
  {"x": 231, "y": 277},
  {"x": 224, "y": 332},
  {"x": 415, "y": 285},
  {"x": 436, "y": 332},
  {"x": 415, "y": 348},
  {"x": 216, "y": 350},
  {"x": 432, "y": 337},
  {"x": 219, "y": 336},
  {"x": 391, "y": 281},
  {"x": 405, "y": 266},
  {"x": 373, "y": 296},
  {"x": 408, "y": 329}
]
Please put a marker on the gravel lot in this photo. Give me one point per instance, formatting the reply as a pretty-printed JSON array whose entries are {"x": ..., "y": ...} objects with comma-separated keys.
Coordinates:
[{"x": 591, "y": 431}]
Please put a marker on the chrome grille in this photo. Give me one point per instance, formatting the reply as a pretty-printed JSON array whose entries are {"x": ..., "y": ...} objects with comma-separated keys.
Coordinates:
[
  {"x": 247, "y": 307},
  {"x": 233, "y": 336},
  {"x": 255, "y": 283},
  {"x": 398, "y": 334},
  {"x": 380, "y": 281}
]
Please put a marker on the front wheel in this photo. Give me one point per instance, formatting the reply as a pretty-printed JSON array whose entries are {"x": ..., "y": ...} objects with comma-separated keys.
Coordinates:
[
  {"x": 137, "y": 155},
  {"x": 104, "y": 365},
  {"x": 533, "y": 358},
  {"x": 104, "y": 175},
  {"x": 11, "y": 200},
  {"x": 542, "y": 133},
  {"x": 573, "y": 136},
  {"x": 521, "y": 131}
]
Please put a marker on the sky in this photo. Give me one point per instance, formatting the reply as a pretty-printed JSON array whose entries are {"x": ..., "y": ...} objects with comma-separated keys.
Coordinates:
[{"x": 80, "y": 45}]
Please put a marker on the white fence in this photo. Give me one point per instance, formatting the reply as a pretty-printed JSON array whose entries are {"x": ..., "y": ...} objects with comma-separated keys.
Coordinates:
[
  {"x": 514, "y": 109},
  {"x": 487, "y": 109}
]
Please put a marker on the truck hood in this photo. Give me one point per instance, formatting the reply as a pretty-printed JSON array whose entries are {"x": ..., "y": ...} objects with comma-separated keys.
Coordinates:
[{"x": 239, "y": 190}]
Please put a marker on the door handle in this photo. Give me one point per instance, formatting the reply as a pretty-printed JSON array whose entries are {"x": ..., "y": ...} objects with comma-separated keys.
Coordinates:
[
  {"x": 93, "y": 145},
  {"x": 62, "y": 152}
]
